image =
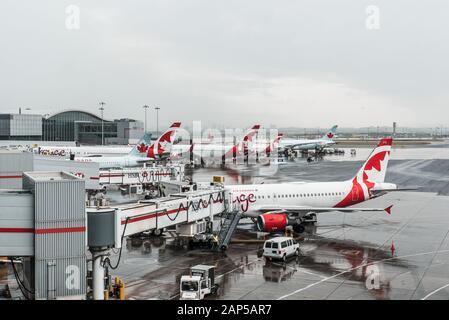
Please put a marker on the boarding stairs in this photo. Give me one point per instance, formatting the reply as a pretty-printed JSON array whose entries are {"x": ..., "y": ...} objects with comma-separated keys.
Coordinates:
[{"x": 230, "y": 222}]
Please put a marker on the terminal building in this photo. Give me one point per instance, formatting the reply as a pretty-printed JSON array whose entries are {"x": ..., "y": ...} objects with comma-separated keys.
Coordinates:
[{"x": 71, "y": 125}]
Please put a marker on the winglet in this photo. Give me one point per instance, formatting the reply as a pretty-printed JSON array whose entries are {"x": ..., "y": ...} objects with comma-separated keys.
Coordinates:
[{"x": 388, "y": 209}]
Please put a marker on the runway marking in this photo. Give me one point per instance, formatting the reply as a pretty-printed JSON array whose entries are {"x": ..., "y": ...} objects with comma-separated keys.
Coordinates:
[
  {"x": 435, "y": 291},
  {"x": 355, "y": 268}
]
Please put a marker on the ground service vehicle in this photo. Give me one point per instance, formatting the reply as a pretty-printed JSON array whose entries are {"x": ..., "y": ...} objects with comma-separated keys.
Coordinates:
[
  {"x": 199, "y": 283},
  {"x": 280, "y": 248}
]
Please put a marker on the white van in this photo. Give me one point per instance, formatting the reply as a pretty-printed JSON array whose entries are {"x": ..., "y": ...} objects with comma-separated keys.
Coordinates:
[{"x": 280, "y": 248}]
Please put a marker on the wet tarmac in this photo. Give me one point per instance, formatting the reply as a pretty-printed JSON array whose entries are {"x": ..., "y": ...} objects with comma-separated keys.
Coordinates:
[{"x": 404, "y": 255}]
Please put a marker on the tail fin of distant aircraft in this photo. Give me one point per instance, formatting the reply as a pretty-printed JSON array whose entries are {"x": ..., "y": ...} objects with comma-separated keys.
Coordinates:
[
  {"x": 274, "y": 144},
  {"x": 140, "y": 149},
  {"x": 251, "y": 133},
  {"x": 162, "y": 146},
  {"x": 330, "y": 134},
  {"x": 242, "y": 146},
  {"x": 375, "y": 167}
]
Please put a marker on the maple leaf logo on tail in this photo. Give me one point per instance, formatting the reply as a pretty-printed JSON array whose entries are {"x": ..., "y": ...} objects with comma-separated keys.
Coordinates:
[
  {"x": 164, "y": 143},
  {"x": 375, "y": 167},
  {"x": 330, "y": 134},
  {"x": 142, "y": 148},
  {"x": 373, "y": 171}
]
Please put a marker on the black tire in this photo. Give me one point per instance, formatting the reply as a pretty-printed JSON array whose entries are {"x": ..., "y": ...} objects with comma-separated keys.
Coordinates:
[
  {"x": 158, "y": 232},
  {"x": 299, "y": 228},
  {"x": 284, "y": 257}
]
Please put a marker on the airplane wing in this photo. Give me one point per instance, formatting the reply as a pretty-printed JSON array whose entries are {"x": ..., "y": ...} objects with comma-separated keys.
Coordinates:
[
  {"x": 303, "y": 211},
  {"x": 381, "y": 192}
]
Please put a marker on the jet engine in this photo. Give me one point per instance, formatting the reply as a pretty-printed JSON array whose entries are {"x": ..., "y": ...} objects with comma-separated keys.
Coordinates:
[
  {"x": 276, "y": 221},
  {"x": 270, "y": 222}
]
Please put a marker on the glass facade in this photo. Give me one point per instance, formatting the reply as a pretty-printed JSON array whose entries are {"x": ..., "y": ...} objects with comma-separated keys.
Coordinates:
[
  {"x": 80, "y": 126},
  {"x": 20, "y": 127},
  {"x": 91, "y": 132},
  {"x": 72, "y": 125}
]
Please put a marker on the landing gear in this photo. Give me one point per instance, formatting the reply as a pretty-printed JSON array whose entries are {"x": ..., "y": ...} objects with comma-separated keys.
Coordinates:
[
  {"x": 310, "y": 218},
  {"x": 299, "y": 228},
  {"x": 158, "y": 232}
]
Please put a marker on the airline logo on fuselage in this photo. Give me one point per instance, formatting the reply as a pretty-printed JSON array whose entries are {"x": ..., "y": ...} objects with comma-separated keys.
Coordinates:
[{"x": 244, "y": 201}]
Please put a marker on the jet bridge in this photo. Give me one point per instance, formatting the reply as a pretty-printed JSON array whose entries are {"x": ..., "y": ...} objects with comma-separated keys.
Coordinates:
[
  {"x": 107, "y": 226},
  {"x": 44, "y": 223},
  {"x": 145, "y": 175}
]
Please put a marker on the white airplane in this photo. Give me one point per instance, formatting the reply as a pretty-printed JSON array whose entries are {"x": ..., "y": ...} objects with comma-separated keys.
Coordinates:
[
  {"x": 317, "y": 144},
  {"x": 214, "y": 150},
  {"x": 86, "y": 151},
  {"x": 279, "y": 205},
  {"x": 141, "y": 153}
]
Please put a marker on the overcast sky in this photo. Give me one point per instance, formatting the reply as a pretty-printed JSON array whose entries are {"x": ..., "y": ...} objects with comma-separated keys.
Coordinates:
[{"x": 232, "y": 63}]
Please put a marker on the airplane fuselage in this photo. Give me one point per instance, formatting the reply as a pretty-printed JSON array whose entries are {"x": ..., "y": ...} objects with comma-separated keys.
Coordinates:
[
  {"x": 315, "y": 194},
  {"x": 84, "y": 151},
  {"x": 305, "y": 144}
]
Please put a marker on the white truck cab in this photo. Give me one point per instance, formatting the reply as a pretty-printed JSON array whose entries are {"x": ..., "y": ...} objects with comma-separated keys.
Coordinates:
[
  {"x": 199, "y": 283},
  {"x": 280, "y": 248}
]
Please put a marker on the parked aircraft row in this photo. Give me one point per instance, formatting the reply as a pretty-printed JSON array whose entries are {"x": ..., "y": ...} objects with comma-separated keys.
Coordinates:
[
  {"x": 275, "y": 206},
  {"x": 206, "y": 146}
]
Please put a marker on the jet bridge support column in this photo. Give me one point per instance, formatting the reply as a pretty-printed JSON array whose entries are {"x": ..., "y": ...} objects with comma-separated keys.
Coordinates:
[
  {"x": 101, "y": 236},
  {"x": 98, "y": 274}
]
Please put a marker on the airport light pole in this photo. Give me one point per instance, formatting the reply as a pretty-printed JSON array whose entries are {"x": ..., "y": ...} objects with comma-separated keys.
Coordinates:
[
  {"x": 145, "y": 108},
  {"x": 157, "y": 120},
  {"x": 102, "y": 121}
]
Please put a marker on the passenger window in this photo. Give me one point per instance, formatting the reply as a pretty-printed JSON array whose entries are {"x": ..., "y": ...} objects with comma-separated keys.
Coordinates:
[
  {"x": 275, "y": 245},
  {"x": 267, "y": 244},
  {"x": 284, "y": 244}
]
